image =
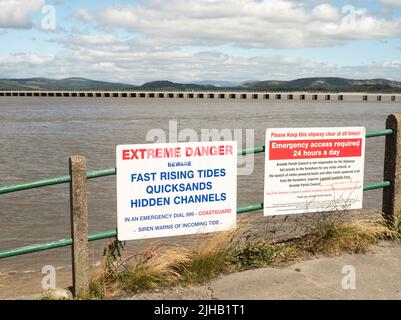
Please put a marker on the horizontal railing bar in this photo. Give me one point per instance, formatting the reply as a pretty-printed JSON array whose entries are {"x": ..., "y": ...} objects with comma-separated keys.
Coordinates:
[
  {"x": 249, "y": 208},
  {"x": 113, "y": 233},
  {"x": 112, "y": 171},
  {"x": 93, "y": 237},
  {"x": 376, "y": 185},
  {"x": 257, "y": 149},
  {"x": 101, "y": 173},
  {"x": 90, "y": 175},
  {"x": 102, "y": 235},
  {"x": 35, "y": 184},
  {"x": 35, "y": 248},
  {"x": 379, "y": 133}
]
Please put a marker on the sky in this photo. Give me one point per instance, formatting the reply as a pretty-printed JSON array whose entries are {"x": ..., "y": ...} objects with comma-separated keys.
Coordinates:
[{"x": 200, "y": 40}]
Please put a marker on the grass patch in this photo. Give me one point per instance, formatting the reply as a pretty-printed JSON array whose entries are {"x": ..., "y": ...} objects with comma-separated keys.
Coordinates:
[
  {"x": 259, "y": 253},
  {"x": 55, "y": 295},
  {"x": 200, "y": 268},
  {"x": 229, "y": 252},
  {"x": 328, "y": 238}
]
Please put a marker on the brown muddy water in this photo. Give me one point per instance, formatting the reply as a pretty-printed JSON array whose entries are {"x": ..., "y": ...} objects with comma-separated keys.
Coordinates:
[{"x": 37, "y": 135}]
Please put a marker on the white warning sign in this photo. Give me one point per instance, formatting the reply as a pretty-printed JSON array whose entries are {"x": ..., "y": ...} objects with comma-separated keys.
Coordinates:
[
  {"x": 313, "y": 170},
  {"x": 176, "y": 189}
]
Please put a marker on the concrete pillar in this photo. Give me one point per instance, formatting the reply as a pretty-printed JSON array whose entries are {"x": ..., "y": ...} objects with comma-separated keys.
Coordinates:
[
  {"x": 79, "y": 226},
  {"x": 391, "y": 205}
]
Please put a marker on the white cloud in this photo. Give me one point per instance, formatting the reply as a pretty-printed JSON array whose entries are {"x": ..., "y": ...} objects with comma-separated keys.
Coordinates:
[
  {"x": 106, "y": 42},
  {"x": 325, "y": 12},
  {"x": 391, "y": 2},
  {"x": 27, "y": 59},
  {"x": 106, "y": 57},
  {"x": 247, "y": 23},
  {"x": 161, "y": 30},
  {"x": 83, "y": 15},
  {"x": 18, "y": 13}
]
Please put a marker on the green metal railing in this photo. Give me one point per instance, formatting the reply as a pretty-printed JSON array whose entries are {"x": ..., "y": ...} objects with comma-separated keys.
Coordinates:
[{"x": 112, "y": 171}]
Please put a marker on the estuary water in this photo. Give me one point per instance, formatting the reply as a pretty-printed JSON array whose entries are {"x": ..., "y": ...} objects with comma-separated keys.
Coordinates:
[{"x": 37, "y": 135}]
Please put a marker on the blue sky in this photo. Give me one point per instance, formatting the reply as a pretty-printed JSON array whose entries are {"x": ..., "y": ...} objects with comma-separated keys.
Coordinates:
[{"x": 194, "y": 40}]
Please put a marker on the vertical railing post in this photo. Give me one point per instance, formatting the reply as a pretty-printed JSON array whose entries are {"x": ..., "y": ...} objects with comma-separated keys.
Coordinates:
[
  {"x": 79, "y": 226},
  {"x": 391, "y": 205}
]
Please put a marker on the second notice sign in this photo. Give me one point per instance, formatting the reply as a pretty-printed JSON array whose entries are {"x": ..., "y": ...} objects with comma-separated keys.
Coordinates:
[{"x": 313, "y": 170}]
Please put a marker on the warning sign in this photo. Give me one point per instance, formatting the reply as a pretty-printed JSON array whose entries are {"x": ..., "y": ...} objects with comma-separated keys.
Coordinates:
[
  {"x": 176, "y": 189},
  {"x": 313, "y": 170}
]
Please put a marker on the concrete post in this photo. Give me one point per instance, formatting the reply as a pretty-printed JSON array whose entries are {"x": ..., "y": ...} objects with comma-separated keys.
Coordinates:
[
  {"x": 79, "y": 226},
  {"x": 391, "y": 206}
]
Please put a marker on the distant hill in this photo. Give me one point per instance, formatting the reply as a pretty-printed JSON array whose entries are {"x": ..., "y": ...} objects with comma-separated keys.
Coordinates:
[
  {"x": 64, "y": 84},
  {"x": 218, "y": 83},
  {"x": 171, "y": 86},
  {"x": 326, "y": 84}
]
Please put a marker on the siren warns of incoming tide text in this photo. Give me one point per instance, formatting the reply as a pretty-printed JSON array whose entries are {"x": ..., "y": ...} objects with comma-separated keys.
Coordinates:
[
  {"x": 176, "y": 188},
  {"x": 313, "y": 169}
]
